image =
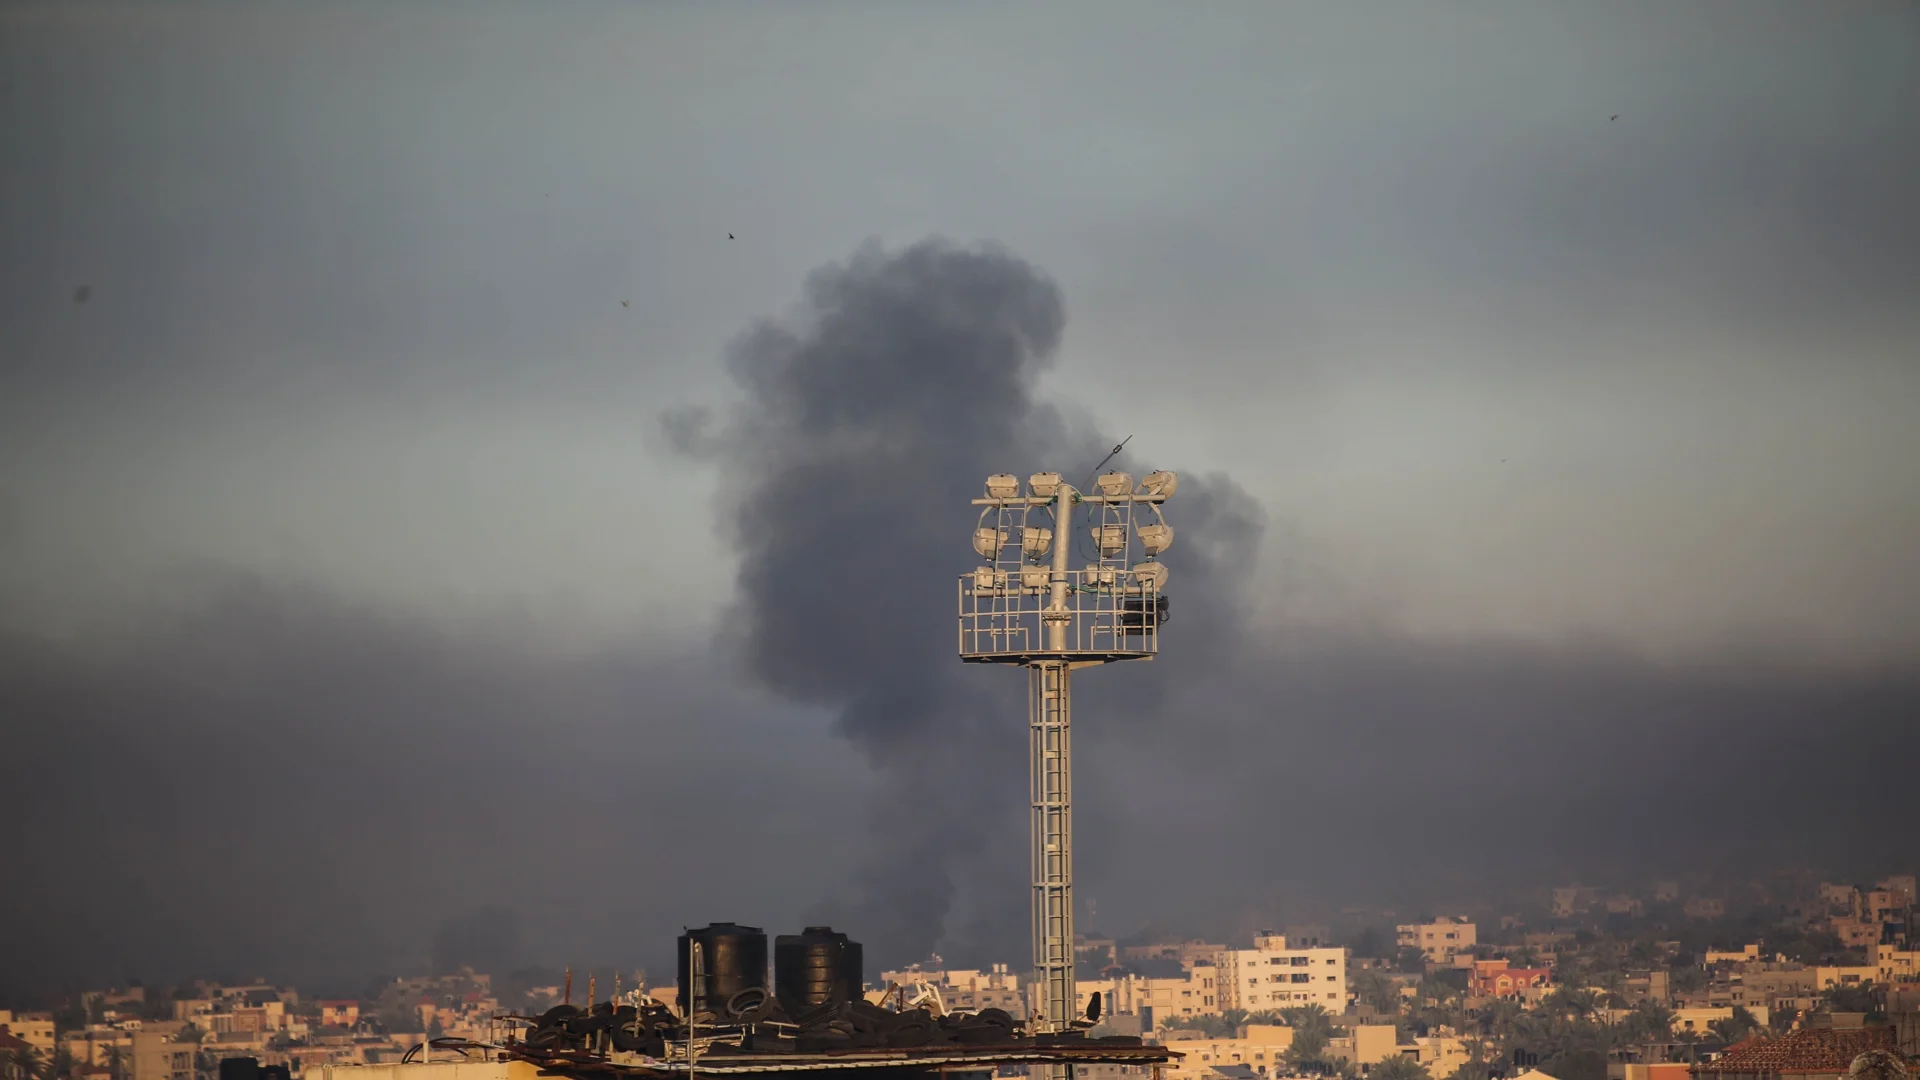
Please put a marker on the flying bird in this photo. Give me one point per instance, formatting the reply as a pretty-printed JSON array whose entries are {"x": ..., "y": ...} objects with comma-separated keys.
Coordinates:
[
  {"x": 626, "y": 303},
  {"x": 81, "y": 294},
  {"x": 729, "y": 236},
  {"x": 1614, "y": 117}
]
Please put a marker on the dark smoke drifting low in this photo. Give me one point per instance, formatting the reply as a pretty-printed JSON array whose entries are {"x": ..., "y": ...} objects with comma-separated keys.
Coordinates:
[{"x": 865, "y": 424}]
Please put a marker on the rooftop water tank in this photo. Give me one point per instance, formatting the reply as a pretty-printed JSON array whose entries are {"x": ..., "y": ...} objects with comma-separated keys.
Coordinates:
[
  {"x": 732, "y": 958},
  {"x": 817, "y": 966}
]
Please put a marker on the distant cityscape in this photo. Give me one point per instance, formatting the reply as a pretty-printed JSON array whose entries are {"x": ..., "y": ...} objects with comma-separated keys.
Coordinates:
[{"x": 1738, "y": 983}]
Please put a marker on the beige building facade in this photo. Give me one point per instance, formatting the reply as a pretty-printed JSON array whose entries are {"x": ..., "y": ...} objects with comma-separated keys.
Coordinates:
[
  {"x": 1440, "y": 940},
  {"x": 1274, "y": 977}
]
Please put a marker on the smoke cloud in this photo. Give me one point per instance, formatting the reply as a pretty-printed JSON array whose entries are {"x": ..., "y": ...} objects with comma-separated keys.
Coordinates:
[{"x": 866, "y": 422}]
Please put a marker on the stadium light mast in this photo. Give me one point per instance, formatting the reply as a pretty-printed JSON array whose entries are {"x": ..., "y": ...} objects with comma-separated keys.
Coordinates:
[{"x": 1028, "y": 607}]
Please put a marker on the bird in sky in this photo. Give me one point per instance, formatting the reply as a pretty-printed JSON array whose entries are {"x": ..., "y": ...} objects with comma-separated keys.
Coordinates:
[
  {"x": 81, "y": 294},
  {"x": 1614, "y": 117},
  {"x": 626, "y": 303},
  {"x": 729, "y": 236}
]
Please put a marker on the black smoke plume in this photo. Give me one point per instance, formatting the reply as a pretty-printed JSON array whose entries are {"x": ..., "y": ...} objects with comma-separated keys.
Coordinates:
[{"x": 865, "y": 424}]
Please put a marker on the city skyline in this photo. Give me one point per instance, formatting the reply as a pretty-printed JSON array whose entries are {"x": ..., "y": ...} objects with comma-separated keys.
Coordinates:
[{"x": 387, "y": 398}]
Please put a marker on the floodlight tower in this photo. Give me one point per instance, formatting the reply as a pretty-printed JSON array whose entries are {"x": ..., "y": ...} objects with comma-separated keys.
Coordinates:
[{"x": 1029, "y": 607}]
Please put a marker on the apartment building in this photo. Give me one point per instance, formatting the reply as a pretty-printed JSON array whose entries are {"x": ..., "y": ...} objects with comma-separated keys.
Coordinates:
[
  {"x": 1159, "y": 1002},
  {"x": 1440, "y": 939},
  {"x": 33, "y": 1028},
  {"x": 157, "y": 1057},
  {"x": 1896, "y": 964},
  {"x": 1271, "y": 976}
]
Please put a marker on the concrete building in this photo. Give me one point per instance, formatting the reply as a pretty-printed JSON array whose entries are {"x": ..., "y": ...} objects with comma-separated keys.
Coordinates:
[
  {"x": 1262, "y": 1050},
  {"x": 996, "y": 988},
  {"x": 1160, "y": 1002},
  {"x": 1364, "y": 1044},
  {"x": 1275, "y": 977},
  {"x": 33, "y": 1028},
  {"x": 1499, "y": 979},
  {"x": 1826, "y": 978},
  {"x": 1309, "y": 936},
  {"x": 1840, "y": 900},
  {"x": 1441, "y": 1055},
  {"x": 1438, "y": 940},
  {"x": 1185, "y": 952},
  {"x": 1900, "y": 883},
  {"x": 1699, "y": 1021},
  {"x": 1895, "y": 964},
  {"x": 97, "y": 1044},
  {"x": 1858, "y": 933},
  {"x": 157, "y": 1057}
]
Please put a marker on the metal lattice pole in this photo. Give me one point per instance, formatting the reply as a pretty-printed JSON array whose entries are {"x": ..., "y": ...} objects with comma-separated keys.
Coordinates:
[
  {"x": 1050, "y": 717},
  {"x": 1051, "y": 621}
]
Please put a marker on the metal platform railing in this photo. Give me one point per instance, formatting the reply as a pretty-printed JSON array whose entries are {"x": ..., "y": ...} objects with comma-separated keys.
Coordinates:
[{"x": 1109, "y": 613}]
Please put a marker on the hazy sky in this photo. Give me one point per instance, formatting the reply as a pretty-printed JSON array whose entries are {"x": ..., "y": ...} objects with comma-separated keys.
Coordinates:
[{"x": 1568, "y": 351}]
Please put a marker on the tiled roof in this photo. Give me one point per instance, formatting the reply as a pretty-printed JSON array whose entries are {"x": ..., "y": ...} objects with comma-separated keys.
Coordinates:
[{"x": 1807, "y": 1050}]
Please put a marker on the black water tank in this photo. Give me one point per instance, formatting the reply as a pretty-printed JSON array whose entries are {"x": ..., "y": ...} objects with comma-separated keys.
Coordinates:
[
  {"x": 732, "y": 958},
  {"x": 815, "y": 967}
]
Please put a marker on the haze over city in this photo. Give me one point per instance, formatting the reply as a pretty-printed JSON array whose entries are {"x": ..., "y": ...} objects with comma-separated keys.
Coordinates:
[{"x": 479, "y": 472}]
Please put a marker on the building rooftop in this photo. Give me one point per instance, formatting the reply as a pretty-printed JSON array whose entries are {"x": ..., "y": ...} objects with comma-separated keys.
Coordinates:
[{"x": 1823, "y": 1050}]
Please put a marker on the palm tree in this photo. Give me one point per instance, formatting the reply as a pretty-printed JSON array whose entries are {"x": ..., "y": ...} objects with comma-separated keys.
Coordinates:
[
  {"x": 1498, "y": 1018},
  {"x": 58, "y": 1065},
  {"x": 23, "y": 1063},
  {"x": 1377, "y": 992},
  {"x": 1312, "y": 1018},
  {"x": 1478, "y": 1060},
  {"x": 1649, "y": 1022},
  {"x": 1572, "y": 1002},
  {"x": 1739, "y": 1026},
  {"x": 1312, "y": 1030},
  {"x": 1399, "y": 1067},
  {"x": 116, "y": 1061}
]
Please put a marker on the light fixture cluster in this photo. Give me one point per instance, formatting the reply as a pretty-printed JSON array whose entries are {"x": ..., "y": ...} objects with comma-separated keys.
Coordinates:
[{"x": 1110, "y": 539}]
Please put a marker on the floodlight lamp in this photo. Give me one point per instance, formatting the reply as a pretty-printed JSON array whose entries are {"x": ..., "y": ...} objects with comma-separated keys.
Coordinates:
[
  {"x": 1151, "y": 575},
  {"x": 1097, "y": 576},
  {"x": 987, "y": 581},
  {"x": 1036, "y": 578},
  {"x": 1003, "y": 486},
  {"x": 1161, "y": 482},
  {"x": 1035, "y": 542},
  {"x": 1044, "y": 484},
  {"x": 1111, "y": 538},
  {"x": 1156, "y": 538},
  {"x": 1115, "y": 483},
  {"x": 988, "y": 542}
]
